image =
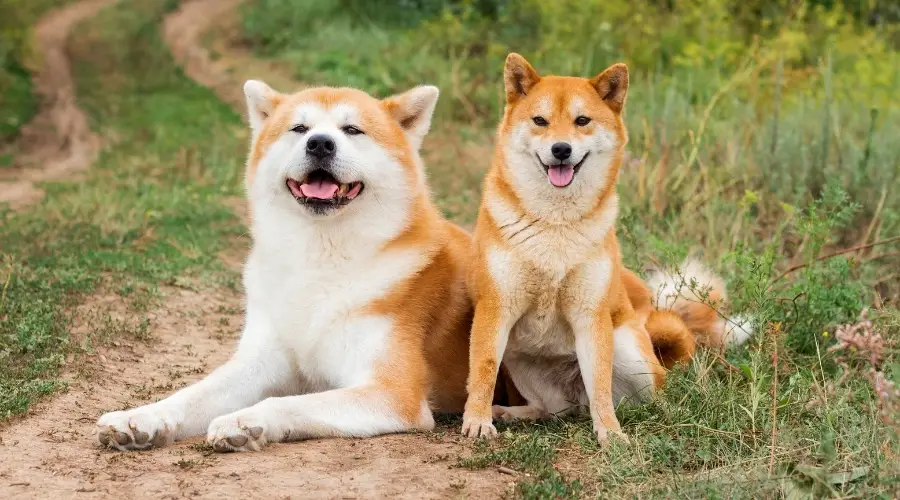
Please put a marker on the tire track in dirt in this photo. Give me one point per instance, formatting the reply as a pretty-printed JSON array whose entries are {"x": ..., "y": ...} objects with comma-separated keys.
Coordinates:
[
  {"x": 51, "y": 452},
  {"x": 58, "y": 143}
]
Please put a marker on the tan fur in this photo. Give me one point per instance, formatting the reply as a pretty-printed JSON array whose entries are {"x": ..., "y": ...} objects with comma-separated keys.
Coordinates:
[
  {"x": 542, "y": 257},
  {"x": 536, "y": 288},
  {"x": 698, "y": 307},
  {"x": 553, "y": 302}
]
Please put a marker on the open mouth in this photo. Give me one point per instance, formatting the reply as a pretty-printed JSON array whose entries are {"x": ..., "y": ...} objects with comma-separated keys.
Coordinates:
[
  {"x": 562, "y": 174},
  {"x": 322, "y": 191}
]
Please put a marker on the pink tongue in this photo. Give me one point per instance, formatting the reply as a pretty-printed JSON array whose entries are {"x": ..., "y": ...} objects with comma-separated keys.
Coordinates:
[
  {"x": 561, "y": 176},
  {"x": 323, "y": 190}
]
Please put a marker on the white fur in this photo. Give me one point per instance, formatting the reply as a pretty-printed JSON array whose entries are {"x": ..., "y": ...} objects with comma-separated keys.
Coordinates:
[
  {"x": 304, "y": 365},
  {"x": 738, "y": 330},
  {"x": 259, "y": 103},
  {"x": 632, "y": 372}
]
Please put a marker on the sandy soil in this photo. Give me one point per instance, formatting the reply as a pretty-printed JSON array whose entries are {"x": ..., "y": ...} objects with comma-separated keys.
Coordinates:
[
  {"x": 58, "y": 143},
  {"x": 51, "y": 453}
]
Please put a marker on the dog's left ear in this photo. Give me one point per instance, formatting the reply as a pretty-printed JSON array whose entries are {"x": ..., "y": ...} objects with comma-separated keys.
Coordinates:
[
  {"x": 612, "y": 85},
  {"x": 413, "y": 110}
]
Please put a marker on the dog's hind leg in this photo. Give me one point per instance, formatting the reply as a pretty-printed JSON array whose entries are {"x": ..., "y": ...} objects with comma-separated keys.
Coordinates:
[
  {"x": 551, "y": 388},
  {"x": 351, "y": 412},
  {"x": 509, "y": 413}
]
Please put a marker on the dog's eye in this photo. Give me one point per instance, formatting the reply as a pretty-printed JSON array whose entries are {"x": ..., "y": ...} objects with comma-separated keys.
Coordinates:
[
  {"x": 582, "y": 121},
  {"x": 351, "y": 130},
  {"x": 300, "y": 129},
  {"x": 540, "y": 121}
]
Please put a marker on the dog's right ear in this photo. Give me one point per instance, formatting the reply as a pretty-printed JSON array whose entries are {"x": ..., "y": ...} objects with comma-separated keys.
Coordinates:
[
  {"x": 261, "y": 102},
  {"x": 519, "y": 77}
]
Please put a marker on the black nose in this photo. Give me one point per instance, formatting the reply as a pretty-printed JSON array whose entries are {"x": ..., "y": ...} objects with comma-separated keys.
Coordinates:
[
  {"x": 320, "y": 146},
  {"x": 561, "y": 150}
]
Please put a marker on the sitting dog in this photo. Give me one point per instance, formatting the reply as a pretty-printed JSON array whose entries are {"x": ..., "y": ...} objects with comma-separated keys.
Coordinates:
[
  {"x": 358, "y": 317},
  {"x": 553, "y": 301}
]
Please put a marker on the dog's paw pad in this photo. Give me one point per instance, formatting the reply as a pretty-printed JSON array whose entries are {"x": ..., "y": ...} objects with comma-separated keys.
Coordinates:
[
  {"x": 230, "y": 433},
  {"x": 136, "y": 429}
]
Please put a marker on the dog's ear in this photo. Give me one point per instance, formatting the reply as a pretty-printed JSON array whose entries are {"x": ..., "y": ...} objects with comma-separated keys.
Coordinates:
[
  {"x": 612, "y": 85},
  {"x": 519, "y": 77},
  {"x": 413, "y": 110},
  {"x": 261, "y": 102}
]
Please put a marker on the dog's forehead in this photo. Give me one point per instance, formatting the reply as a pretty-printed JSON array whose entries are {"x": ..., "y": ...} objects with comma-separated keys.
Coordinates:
[
  {"x": 337, "y": 105},
  {"x": 313, "y": 112},
  {"x": 555, "y": 95}
]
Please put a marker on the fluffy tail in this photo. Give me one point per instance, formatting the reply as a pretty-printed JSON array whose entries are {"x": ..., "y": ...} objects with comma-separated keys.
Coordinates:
[{"x": 697, "y": 296}]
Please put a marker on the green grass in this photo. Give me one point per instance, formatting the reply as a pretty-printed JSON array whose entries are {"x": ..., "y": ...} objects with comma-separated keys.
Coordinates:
[
  {"x": 152, "y": 210},
  {"x": 758, "y": 154}
]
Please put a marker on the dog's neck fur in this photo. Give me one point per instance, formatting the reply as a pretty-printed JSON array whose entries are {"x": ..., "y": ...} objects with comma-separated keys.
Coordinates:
[{"x": 549, "y": 244}]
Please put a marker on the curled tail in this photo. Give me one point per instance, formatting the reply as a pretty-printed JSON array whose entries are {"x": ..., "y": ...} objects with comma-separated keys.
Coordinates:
[
  {"x": 683, "y": 312},
  {"x": 697, "y": 296}
]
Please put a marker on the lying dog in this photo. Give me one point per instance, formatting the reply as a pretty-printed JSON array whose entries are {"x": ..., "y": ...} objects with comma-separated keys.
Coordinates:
[
  {"x": 553, "y": 301},
  {"x": 357, "y": 313}
]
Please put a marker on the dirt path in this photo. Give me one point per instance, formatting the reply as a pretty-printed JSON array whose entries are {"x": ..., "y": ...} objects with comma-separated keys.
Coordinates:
[
  {"x": 58, "y": 143},
  {"x": 228, "y": 66},
  {"x": 51, "y": 453}
]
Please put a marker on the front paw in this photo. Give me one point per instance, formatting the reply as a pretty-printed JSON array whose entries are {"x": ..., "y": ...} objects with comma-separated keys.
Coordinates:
[
  {"x": 603, "y": 435},
  {"x": 478, "y": 427},
  {"x": 137, "y": 429},
  {"x": 242, "y": 430}
]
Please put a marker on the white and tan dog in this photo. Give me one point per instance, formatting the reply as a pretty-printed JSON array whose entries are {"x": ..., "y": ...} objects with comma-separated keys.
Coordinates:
[{"x": 357, "y": 314}]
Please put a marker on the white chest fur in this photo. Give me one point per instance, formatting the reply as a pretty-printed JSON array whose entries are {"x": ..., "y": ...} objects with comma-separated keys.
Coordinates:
[
  {"x": 546, "y": 272},
  {"x": 311, "y": 303}
]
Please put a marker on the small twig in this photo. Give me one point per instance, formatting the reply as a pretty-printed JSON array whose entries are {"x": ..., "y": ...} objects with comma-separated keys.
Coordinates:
[
  {"x": 507, "y": 470},
  {"x": 775, "y": 330},
  {"x": 20, "y": 484},
  {"x": 835, "y": 254}
]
